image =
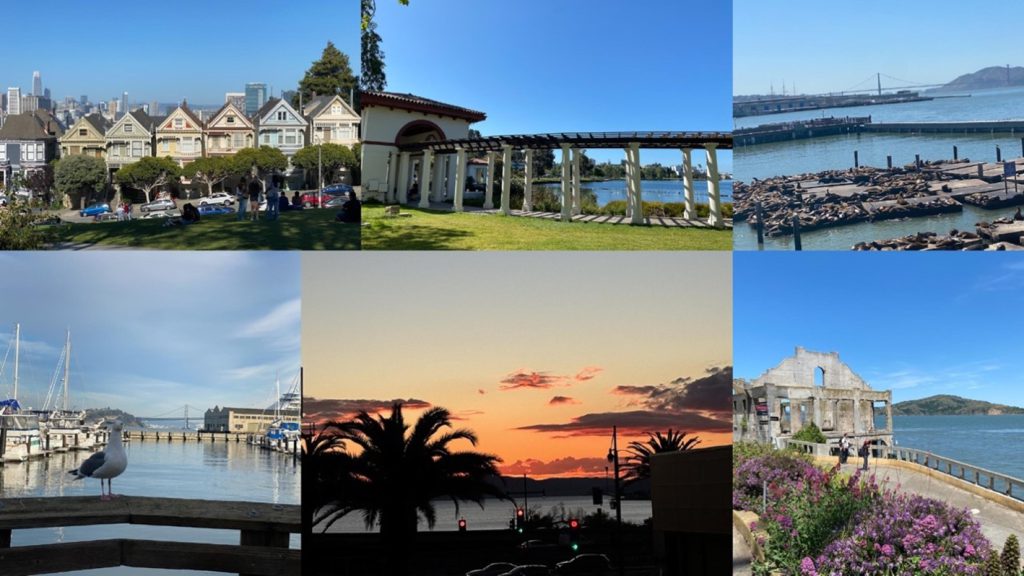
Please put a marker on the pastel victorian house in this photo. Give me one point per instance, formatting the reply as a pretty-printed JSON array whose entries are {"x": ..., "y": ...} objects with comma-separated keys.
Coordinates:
[
  {"x": 280, "y": 126},
  {"x": 130, "y": 139},
  {"x": 180, "y": 136},
  {"x": 27, "y": 142},
  {"x": 86, "y": 137},
  {"x": 331, "y": 120},
  {"x": 228, "y": 131}
]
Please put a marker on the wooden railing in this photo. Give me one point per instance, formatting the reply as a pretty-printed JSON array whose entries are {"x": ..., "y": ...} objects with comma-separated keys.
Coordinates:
[
  {"x": 262, "y": 549},
  {"x": 994, "y": 481}
]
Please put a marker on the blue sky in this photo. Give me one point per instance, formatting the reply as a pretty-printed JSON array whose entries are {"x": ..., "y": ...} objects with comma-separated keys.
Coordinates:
[
  {"x": 189, "y": 49},
  {"x": 833, "y": 46},
  {"x": 919, "y": 324},
  {"x": 573, "y": 65},
  {"x": 151, "y": 332}
]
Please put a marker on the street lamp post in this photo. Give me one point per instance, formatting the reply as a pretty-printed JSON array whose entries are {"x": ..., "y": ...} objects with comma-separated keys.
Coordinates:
[
  {"x": 613, "y": 459},
  {"x": 319, "y": 171}
]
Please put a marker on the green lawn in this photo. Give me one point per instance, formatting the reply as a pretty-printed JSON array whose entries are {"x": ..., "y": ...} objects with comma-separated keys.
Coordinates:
[
  {"x": 432, "y": 230},
  {"x": 303, "y": 230}
]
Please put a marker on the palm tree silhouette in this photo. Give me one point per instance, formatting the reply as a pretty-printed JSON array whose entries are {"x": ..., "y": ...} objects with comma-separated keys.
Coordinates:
[
  {"x": 395, "y": 474},
  {"x": 638, "y": 463}
]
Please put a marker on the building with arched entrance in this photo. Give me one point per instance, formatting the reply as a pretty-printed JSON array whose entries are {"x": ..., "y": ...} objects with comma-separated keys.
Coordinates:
[{"x": 394, "y": 128}]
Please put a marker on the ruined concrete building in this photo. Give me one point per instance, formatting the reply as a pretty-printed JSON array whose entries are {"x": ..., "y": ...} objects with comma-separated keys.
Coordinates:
[{"x": 810, "y": 387}]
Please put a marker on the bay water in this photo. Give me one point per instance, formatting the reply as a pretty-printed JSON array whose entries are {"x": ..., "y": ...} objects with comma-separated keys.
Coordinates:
[
  {"x": 652, "y": 190},
  {"x": 995, "y": 443}
]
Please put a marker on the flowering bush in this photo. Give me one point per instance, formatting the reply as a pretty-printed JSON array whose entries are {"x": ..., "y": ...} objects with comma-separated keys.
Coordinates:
[{"x": 780, "y": 470}]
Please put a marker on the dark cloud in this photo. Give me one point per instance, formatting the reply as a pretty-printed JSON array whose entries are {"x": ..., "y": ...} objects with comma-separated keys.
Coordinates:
[
  {"x": 563, "y": 400},
  {"x": 523, "y": 378},
  {"x": 464, "y": 415},
  {"x": 567, "y": 466},
  {"x": 481, "y": 391},
  {"x": 588, "y": 373},
  {"x": 323, "y": 409},
  {"x": 709, "y": 393}
]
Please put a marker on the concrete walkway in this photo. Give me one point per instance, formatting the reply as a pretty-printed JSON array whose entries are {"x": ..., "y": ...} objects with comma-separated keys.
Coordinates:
[
  {"x": 741, "y": 558},
  {"x": 997, "y": 521}
]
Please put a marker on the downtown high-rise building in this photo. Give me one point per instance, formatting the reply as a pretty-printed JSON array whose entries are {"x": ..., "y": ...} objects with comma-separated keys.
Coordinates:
[
  {"x": 37, "y": 84},
  {"x": 255, "y": 97},
  {"x": 236, "y": 98},
  {"x": 124, "y": 103},
  {"x": 14, "y": 100},
  {"x": 154, "y": 108}
]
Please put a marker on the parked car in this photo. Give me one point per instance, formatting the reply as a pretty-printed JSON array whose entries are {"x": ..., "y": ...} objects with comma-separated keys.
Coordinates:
[
  {"x": 208, "y": 210},
  {"x": 158, "y": 204},
  {"x": 529, "y": 570},
  {"x": 95, "y": 209},
  {"x": 589, "y": 564},
  {"x": 493, "y": 569},
  {"x": 335, "y": 201},
  {"x": 309, "y": 199},
  {"x": 221, "y": 198},
  {"x": 161, "y": 214}
]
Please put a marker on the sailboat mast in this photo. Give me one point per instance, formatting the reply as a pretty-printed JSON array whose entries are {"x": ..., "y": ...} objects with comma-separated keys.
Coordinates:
[
  {"x": 17, "y": 349},
  {"x": 277, "y": 404},
  {"x": 67, "y": 368}
]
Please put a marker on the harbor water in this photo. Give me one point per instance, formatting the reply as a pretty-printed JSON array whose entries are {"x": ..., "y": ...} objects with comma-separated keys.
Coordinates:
[
  {"x": 652, "y": 190},
  {"x": 990, "y": 442},
  {"x": 208, "y": 471}
]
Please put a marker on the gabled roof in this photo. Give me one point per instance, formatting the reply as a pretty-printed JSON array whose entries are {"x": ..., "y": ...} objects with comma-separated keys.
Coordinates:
[
  {"x": 317, "y": 105},
  {"x": 27, "y": 127},
  {"x": 419, "y": 104},
  {"x": 98, "y": 122},
  {"x": 269, "y": 106},
  {"x": 238, "y": 113},
  {"x": 188, "y": 112},
  {"x": 148, "y": 122}
]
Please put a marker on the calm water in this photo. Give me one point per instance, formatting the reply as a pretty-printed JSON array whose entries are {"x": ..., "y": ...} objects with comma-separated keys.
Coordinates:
[
  {"x": 219, "y": 471},
  {"x": 652, "y": 190},
  {"x": 836, "y": 152},
  {"x": 495, "y": 515},
  {"x": 990, "y": 442}
]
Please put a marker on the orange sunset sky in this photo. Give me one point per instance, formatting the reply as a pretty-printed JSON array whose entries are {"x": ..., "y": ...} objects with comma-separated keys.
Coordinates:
[{"x": 538, "y": 353}]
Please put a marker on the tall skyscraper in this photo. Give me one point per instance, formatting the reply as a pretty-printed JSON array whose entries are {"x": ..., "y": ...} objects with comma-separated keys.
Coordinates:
[
  {"x": 14, "y": 100},
  {"x": 37, "y": 84},
  {"x": 124, "y": 103},
  {"x": 83, "y": 100},
  {"x": 255, "y": 97},
  {"x": 154, "y": 108}
]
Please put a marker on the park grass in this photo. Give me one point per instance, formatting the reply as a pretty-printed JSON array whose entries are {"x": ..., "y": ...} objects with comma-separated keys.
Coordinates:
[
  {"x": 441, "y": 230},
  {"x": 300, "y": 230}
]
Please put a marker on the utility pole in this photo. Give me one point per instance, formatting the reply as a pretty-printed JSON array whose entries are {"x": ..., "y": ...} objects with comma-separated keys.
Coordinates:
[
  {"x": 613, "y": 458},
  {"x": 320, "y": 171}
]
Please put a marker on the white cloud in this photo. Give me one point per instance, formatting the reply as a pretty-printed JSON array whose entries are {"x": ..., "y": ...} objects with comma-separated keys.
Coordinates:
[{"x": 279, "y": 322}]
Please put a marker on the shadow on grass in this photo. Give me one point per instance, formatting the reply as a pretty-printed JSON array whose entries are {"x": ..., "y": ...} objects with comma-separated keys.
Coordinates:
[
  {"x": 412, "y": 237},
  {"x": 305, "y": 230}
]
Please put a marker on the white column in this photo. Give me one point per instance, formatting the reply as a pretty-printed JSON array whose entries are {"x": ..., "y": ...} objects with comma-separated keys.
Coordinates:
[
  {"x": 437, "y": 194},
  {"x": 629, "y": 185},
  {"x": 489, "y": 185},
  {"x": 389, "y": 194},
  {"x": 528, "y": 182},
  {"x": 638, "y": 206},
  {"x": 690, "y": 207},
  {"x": 460, "y": 178},
  {"x": 566, "y": 190},
  {"x": 403, "y": 177},
  {"x": 506, "y": 179},
  {"x": 450, "y": 181},
  {"x": 714, "y": 196},
  {"x": 426, "y": 167},
  {"x": 577, "y": 200}
]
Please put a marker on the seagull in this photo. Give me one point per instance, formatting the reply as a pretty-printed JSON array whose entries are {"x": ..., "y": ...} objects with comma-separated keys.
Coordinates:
[{"x": 106, "y": 464}]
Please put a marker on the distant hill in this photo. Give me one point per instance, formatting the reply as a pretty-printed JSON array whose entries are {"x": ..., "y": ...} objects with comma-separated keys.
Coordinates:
[
  {"x": 991, "y": 77},
  {"x": 948, "y": 405},
  {"x": 93, "y": 415}
]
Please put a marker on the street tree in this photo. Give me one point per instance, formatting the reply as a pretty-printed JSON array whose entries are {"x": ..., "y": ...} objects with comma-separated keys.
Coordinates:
[
  {"x": 148, "y": 174},
  {"x": 331, "y": 157},
  {"x": 260, "y": 162},
  {"x": 330, "y": 75},
  {"x": 212, "y": 170},
  {"x": 84, "y": 177},
  {"x": 40, "y": 182}
]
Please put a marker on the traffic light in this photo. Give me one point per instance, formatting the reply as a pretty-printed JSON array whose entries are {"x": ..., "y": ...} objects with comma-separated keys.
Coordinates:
[
  {"x": 462, "y": 524},
  {"x": 520, "y": 520},
  {"x": 574, "y": 534}
]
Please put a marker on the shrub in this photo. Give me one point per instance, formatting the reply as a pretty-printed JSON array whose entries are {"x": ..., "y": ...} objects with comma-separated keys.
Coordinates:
[
  {"x": 779, "y": 470},
  {"x": 1010, "y": 559},
  {"x": 810, "y": 433}
]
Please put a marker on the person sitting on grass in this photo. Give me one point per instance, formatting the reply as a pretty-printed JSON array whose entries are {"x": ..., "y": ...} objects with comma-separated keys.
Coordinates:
[
  {"x": 351, "y": 210},
  {"x": 189, "y": 214},
  {"x": 296, "y": 201}
]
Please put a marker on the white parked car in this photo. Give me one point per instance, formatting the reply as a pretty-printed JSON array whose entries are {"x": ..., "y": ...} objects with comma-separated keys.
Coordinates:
[{"x": 222, "y": 198}]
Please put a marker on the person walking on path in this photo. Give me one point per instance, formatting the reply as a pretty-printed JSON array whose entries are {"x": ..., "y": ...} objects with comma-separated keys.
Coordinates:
[
  {"x": 273, "y": 200},
  {"x": 242, "y": 198},
  {"x": 254, "y": 199},
  {"x": 865, "y": 451}
]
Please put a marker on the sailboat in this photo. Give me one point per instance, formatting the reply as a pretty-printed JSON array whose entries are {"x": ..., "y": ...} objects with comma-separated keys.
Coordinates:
[
  {"x": 65, "y": 429},
  {"x": 284, "y": 429},
  {"x": 20, "y": 436}
]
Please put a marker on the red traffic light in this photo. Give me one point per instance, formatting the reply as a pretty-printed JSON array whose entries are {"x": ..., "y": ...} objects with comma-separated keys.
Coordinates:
[
  {"x": 520, "y": 513},
  {"x": 462, "y": 524},
  {"x": 574, "y": 524}
]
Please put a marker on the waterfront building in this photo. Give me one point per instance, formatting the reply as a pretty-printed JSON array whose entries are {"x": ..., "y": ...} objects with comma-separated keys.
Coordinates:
[
  {"x": 37, "y": 84},
  {"x": 244, "y": 420},
  {"x": 130, "y": 139},
  {"x": 27, "y": 142},
  {"x": 228, "y": 131},
  {"x": 810, "y": 387},
  {"x": 86, "y": 137},
  {"x": 180, "y": 135},
  {"x": 255, "y": 97},
  {"x": 13, "y": 101},
  {"x": 281, "y": 126},
  {"x": 392, "y": 121}
]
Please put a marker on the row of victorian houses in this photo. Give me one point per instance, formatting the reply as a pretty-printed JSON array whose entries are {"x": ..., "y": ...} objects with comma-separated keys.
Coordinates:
[{"x": 30, "y": 141}]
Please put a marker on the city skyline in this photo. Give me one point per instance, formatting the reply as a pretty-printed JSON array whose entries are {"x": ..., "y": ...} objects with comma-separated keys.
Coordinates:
[
  {"x": 186, "y": 71},
  {"x": 900, "y": 320},
  {"x": 520, "y": 347},
  {"x": 152, "y": 335}
]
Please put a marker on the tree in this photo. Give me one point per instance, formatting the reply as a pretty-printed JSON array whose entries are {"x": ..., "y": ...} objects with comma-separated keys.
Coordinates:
[
  {"x": 1010, "y": 558},
  {"x": 332, "y": 158},
  {"x": 260, "y": 162},
  {"x": 543, "y": 162},
  {"x": 148, "y": 174},
  {"x": 371, "y": 75},
  {"x": 18, "y": 231},
  {"x": 211, "y": 170},
  {"x": 329, "y": 75},
  {"x": 396, "y": 473},
  {"x": 40, "y": 182},
  {"x": 84, "y": 176},
  {"x": 638, "y": 463}
]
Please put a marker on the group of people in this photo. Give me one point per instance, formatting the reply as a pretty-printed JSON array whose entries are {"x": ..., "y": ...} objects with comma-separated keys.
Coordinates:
[
  {"x": 846, "y": 447},
  {"x": 249, "y": 192},
  {"x": 123, "y": 211}
]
